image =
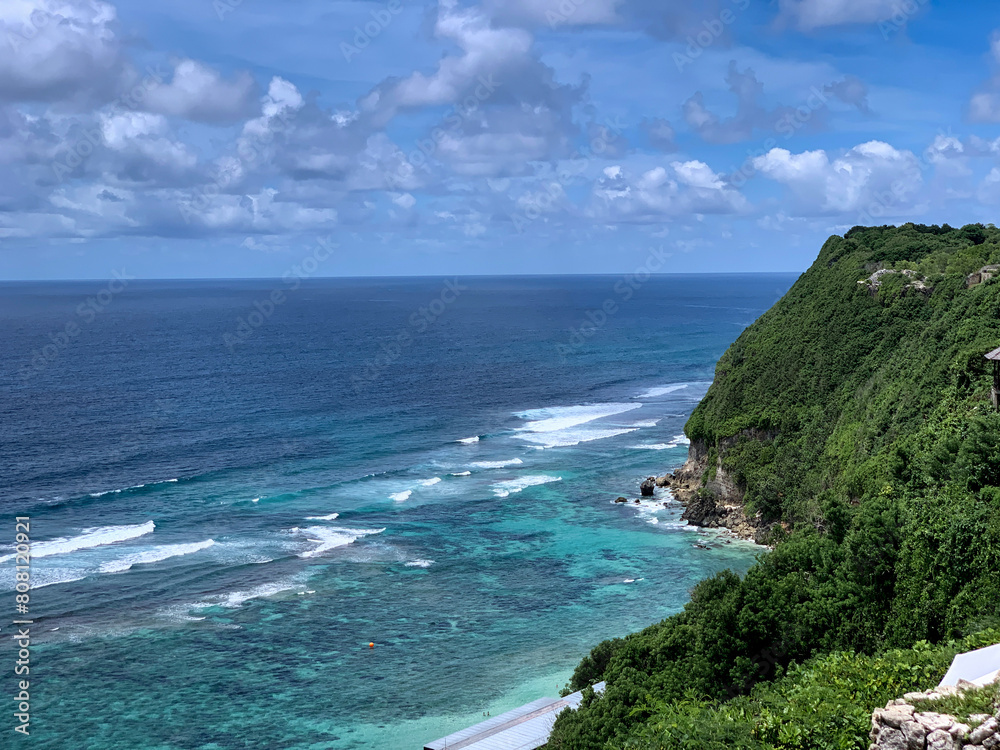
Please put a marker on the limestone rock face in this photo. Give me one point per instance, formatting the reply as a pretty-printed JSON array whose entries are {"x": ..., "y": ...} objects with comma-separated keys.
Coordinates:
[
  {"x": 648, "y": 486},
  {"x": 915, "y": 734},
  {"x": 934, "y": 722},
  {"x": 895, "y": 716},
  {"x": 984, "y": 730},
  {"x": 941, "y": 740},
  {"x": 891, "y": 739}
]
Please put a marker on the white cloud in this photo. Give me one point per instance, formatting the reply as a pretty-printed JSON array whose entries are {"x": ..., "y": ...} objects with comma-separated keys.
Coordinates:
[
  {"x": 282, "y": 96},
  {"x": 752, "y": 115},
  {"x": 487, "y": 52},
  {"x": 984, "y": 106},
  {"x": 496, "y": 67},
  {"x": 404, "y": 200},
  {"x": 59, "y": 49},
  {"x": 504, "y": 140},
  {"x": 949, "y": 155},
  {"x": 120, "y": 128},
  {"x": 989, "y": 188},
  {"x": 197, "y": 92},
  {"x": 660, "y": 193},
  {"x": 698, "y": 174},
  {"x": 660, "y": 133},
  {"x": 143, "y": 149},
  {"x": 809, "y": 15},
  {"x": 870, "y": 172}
]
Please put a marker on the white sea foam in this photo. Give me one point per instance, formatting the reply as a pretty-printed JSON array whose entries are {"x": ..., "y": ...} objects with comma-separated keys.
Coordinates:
[
  {"x": 419, "y": 563},
  {"x": 331, "y": 517},
  {"x": 469, "y": 440},
  {"x": 509, "y": 487},
  {"x": 558, "y": 418},
  {"x": 401, "y": 497},
  {"x": 41, "y": 579},
  {"x": 133, "y": 487},
  {"x": 153, "y": 555},
  {"x": 662, "y": 390},
  {"x": 234, "y": 599},
  {"x": 649, "y": 511},
  {"x": 96, "y": 537},
  {"x": 462, "y": 474},
  {"x": 430, "y": 482},
  {"x": 497, "y": 464},
  {"x": 327, "y": 538},
  {"x": 677, "y": 441},
  {"x": 567, "y": 438},
  {"x": 646, "y": 423}
]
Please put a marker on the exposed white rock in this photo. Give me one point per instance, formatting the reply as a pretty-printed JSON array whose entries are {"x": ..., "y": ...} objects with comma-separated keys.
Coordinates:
[
  {"x": 984, "y": 730},
  {"x": 933, "y": 721},
  {"x": 940, "y": 740}
]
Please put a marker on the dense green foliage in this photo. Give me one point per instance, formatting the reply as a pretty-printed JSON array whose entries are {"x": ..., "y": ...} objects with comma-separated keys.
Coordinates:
[
  {"x": 825, "y": 704},
  {"x": 863, "y": 420}
]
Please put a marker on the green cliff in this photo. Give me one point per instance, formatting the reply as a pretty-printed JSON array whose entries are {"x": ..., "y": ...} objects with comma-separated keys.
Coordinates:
[{"x": 854, "y": 422}]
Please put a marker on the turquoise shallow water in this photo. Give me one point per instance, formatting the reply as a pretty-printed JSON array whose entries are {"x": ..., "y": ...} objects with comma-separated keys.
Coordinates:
[{"x": 220, "y": 531}]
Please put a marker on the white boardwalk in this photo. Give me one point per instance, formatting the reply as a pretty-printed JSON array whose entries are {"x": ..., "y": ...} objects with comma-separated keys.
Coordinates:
[{"x": 524, "y": 728}]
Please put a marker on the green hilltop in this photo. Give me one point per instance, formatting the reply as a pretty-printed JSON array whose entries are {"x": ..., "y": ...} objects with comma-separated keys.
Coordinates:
[{"x": 854, "y": 419}]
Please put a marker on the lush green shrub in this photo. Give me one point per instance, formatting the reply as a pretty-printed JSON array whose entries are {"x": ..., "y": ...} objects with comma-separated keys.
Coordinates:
[{"x": 824, "y": 704}]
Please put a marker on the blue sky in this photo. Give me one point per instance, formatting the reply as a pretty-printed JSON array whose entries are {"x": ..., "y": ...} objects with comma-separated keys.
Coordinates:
[{"x": 232, "y": 138}]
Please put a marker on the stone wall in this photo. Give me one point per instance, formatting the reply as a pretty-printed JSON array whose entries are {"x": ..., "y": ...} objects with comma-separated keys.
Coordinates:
[{"x": 901, "y": 725}]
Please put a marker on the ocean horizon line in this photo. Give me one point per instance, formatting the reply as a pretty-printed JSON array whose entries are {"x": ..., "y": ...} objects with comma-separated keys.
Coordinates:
[{"x": 415, "y": 277}]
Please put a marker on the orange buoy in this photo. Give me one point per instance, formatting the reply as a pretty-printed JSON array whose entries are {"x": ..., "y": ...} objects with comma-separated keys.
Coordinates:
[{"x": 371, "y": 645}]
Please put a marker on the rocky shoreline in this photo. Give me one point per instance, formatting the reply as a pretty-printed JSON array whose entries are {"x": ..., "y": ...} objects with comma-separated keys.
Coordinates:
[{"x": 711, "y": 503}]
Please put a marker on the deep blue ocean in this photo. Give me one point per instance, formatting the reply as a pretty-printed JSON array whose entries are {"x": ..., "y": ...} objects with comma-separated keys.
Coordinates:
[{"x": 234, "y": 487}]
